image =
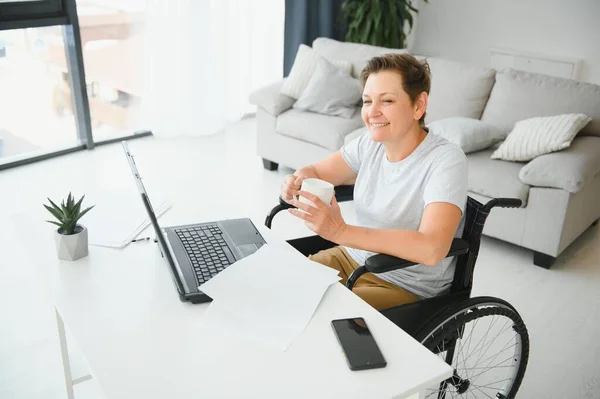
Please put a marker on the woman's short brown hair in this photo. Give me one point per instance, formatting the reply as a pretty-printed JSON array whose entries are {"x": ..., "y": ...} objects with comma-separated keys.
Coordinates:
[{"x": 416, "y": 75}]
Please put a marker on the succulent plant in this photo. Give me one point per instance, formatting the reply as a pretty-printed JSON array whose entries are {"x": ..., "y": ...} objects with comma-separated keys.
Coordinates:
[{"x": 68, "y": 214}]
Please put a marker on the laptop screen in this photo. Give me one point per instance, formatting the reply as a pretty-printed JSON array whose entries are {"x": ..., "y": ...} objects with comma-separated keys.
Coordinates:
[{"x": 146, "y": 200}]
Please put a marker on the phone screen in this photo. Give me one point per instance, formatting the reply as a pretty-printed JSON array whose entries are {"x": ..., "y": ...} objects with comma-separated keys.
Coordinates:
[{"x": 358, "y": 344}]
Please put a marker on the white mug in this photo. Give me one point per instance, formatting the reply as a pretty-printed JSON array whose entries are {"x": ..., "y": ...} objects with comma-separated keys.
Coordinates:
[{"x": 318, "y": 187}]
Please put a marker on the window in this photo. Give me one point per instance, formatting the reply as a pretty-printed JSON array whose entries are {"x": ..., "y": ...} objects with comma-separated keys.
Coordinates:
[
  {"x": 112, "y": 39},
  {"x": 70, "y": 73},
  {"x": 34, "y": 116}
]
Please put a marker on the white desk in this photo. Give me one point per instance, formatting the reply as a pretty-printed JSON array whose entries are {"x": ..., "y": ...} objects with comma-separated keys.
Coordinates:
[{"x": 140, "y": 341}]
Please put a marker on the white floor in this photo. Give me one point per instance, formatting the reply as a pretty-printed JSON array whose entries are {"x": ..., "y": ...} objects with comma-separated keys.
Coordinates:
[{"x": 561, "y": 306}]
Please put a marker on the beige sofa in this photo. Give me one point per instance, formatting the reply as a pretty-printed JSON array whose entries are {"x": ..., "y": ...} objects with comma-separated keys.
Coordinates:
[{"x": 560, "y": 191}]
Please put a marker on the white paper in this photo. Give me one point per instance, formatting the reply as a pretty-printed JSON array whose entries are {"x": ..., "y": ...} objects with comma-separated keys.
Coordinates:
[
  {"x": 118, "y": 217},
  {"x": 268, "y": 297}
]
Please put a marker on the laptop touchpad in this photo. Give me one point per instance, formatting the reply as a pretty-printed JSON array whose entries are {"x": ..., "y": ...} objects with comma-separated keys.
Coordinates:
[{"x": 247, "y": 249}]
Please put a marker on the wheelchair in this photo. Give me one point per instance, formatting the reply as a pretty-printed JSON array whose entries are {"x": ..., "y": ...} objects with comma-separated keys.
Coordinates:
[{"x": 484, "y": 339}]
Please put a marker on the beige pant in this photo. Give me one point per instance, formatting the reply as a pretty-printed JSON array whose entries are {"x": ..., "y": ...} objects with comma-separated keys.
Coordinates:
[{"x": 376, "y": 292}]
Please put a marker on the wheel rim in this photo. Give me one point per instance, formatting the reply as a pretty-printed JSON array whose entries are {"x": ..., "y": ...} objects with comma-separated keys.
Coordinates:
[{"x": 486, "y": 356}]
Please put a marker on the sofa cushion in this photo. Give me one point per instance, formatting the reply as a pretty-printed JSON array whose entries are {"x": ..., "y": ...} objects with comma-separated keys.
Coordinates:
[
  {"x": 322, "y": 130},
  {"x": 330, "y": 91},
  {"x": 303, "y": 68},
  {"x": 519, "y": 95},
  {"x": 351, "y": 136},
  {"x": 538, "y": 136},
  {"x": 471, "y": 135},
  {"x": 357, "y": 54},
  {"x": 271, "y": 100},
  {"x": 568, "y": 170},
  {"x": 494, "y": 178},
  {"x": 458, "y": 89}
]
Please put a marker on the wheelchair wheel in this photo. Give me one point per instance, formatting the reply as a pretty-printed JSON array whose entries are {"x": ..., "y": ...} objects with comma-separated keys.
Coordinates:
[{"x": 486, "y": 342}]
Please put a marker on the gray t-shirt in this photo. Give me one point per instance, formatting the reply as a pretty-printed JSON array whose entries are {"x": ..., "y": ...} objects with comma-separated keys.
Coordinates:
[{"x": 393, "y": 195}]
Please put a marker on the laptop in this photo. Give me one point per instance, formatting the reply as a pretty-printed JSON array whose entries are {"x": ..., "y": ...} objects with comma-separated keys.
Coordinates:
[{"x": 197, "y": 252}]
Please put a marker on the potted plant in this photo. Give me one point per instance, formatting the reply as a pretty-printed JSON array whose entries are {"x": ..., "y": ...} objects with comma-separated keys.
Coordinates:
[
  {"x": 379, "y": 22},
  {"x": 71, "y": 237}
]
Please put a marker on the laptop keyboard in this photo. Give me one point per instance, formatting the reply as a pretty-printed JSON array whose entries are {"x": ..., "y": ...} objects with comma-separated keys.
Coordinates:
[{"x": 208, "y": 251}]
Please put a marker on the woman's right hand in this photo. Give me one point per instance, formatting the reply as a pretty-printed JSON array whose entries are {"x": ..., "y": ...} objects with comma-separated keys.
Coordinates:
[{"x": 290, "y": 187}]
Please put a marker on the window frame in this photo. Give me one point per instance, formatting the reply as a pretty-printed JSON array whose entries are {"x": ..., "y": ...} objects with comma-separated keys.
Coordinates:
[
  {"x": 31, "y": 14},
  {"x": 41, "y": 13}
]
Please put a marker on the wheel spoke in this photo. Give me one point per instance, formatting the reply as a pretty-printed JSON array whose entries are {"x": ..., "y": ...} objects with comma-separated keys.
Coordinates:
[
  {"x": 491, "y": 383},
  {"x": 486, "y": 335},
  {"x": 477, "y": 348},
  {"x": 489, "y": 347},
  {"x": 471, "y": 336},
  {"x": 480, "y": 390},
  {"x": 492, "y": 359},
  {"x": 480, "y": 345},
  {"x": 487, "y": 368},
  {"x": 491, "y": 342}
]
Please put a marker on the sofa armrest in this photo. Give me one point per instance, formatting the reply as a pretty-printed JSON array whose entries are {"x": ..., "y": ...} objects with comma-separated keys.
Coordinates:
[
  {"x": 271, "y": 100},
  {"x": 568, "y": 169}
]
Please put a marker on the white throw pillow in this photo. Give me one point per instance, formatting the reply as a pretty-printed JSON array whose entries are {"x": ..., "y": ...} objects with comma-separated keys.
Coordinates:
[
  {"x": 330, "y": 92},
  {"x": 538, "y": 136},
  {"x": 469, "y": 134},
  {"x": 304, "y": 66}
]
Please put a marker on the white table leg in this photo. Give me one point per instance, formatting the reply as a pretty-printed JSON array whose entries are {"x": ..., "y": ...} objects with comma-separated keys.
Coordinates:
[{"x": 65, "y": 355}]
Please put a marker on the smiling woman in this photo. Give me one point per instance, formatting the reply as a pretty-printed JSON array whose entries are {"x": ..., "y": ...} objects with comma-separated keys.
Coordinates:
[
  {"x": 410, "y": 189},
  {"x": 395, "y": 94}
]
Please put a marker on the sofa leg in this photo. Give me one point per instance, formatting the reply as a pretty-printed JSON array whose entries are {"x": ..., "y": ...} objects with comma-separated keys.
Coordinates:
[
  {"x": 543, "y": 260},
  {"x": 269, "y": 165}
]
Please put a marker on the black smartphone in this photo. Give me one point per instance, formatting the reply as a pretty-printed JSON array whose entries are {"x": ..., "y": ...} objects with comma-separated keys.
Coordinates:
[{"x": 355, "y": 338}]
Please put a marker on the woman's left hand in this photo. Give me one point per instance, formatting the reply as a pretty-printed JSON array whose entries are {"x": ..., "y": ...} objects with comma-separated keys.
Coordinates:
[{"x": 325, "y": 220}]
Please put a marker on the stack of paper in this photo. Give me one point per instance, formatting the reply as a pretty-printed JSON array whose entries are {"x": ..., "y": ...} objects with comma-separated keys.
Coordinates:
[
  {"x": 118, "y": 217},
  {"x": 268, "y": 297}
]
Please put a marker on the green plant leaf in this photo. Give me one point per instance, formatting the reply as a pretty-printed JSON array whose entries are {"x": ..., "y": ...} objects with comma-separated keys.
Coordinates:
[
  {"x": 367, "y": 31},
  {"x": 413, "y": 9},
  {"x": 408, "y": 17},
  {"x": 54, "y": 213},
  {"x": 377, "y": 22},
  {"x": 63, "y": 209},
  {"x": 81, "y": 214},
  {"x": 53, "y": 222},
  {"x": 76, "y": 208},
  {"x": 54, "y": 205}
]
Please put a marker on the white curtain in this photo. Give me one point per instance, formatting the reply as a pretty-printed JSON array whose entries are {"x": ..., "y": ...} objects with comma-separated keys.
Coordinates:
[{"x": 204, "y": 58}]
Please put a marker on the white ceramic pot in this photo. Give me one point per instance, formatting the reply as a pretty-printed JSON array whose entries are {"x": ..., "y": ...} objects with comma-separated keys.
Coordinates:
[{"x": 73, "y": 246}]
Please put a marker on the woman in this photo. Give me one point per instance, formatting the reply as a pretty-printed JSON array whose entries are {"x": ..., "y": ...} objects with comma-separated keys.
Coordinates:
[{"x": 410, "y": 189}]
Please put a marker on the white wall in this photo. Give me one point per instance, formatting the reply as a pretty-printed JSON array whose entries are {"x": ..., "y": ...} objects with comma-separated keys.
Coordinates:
[{"x": 465, "y": 30}]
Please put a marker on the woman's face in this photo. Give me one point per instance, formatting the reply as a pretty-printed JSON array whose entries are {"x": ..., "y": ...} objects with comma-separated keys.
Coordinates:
[{"x": 387, "y": 110}]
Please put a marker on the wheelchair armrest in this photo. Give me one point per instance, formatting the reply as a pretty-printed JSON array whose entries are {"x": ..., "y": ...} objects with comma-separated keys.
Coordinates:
[{"x": 382, "y": 263}]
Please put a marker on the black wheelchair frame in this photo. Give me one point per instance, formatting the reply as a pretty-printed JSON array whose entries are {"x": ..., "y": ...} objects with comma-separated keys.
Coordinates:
[{"x": 440, "y": 322}]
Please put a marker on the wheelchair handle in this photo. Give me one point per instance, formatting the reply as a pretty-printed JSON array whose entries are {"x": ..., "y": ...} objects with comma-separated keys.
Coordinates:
[
  {"x": 278, "y": 208},
  {"x": 503, "y": 203},
  {"x": 342, "y": 193},
  {"x": 284, "y": 204}
]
